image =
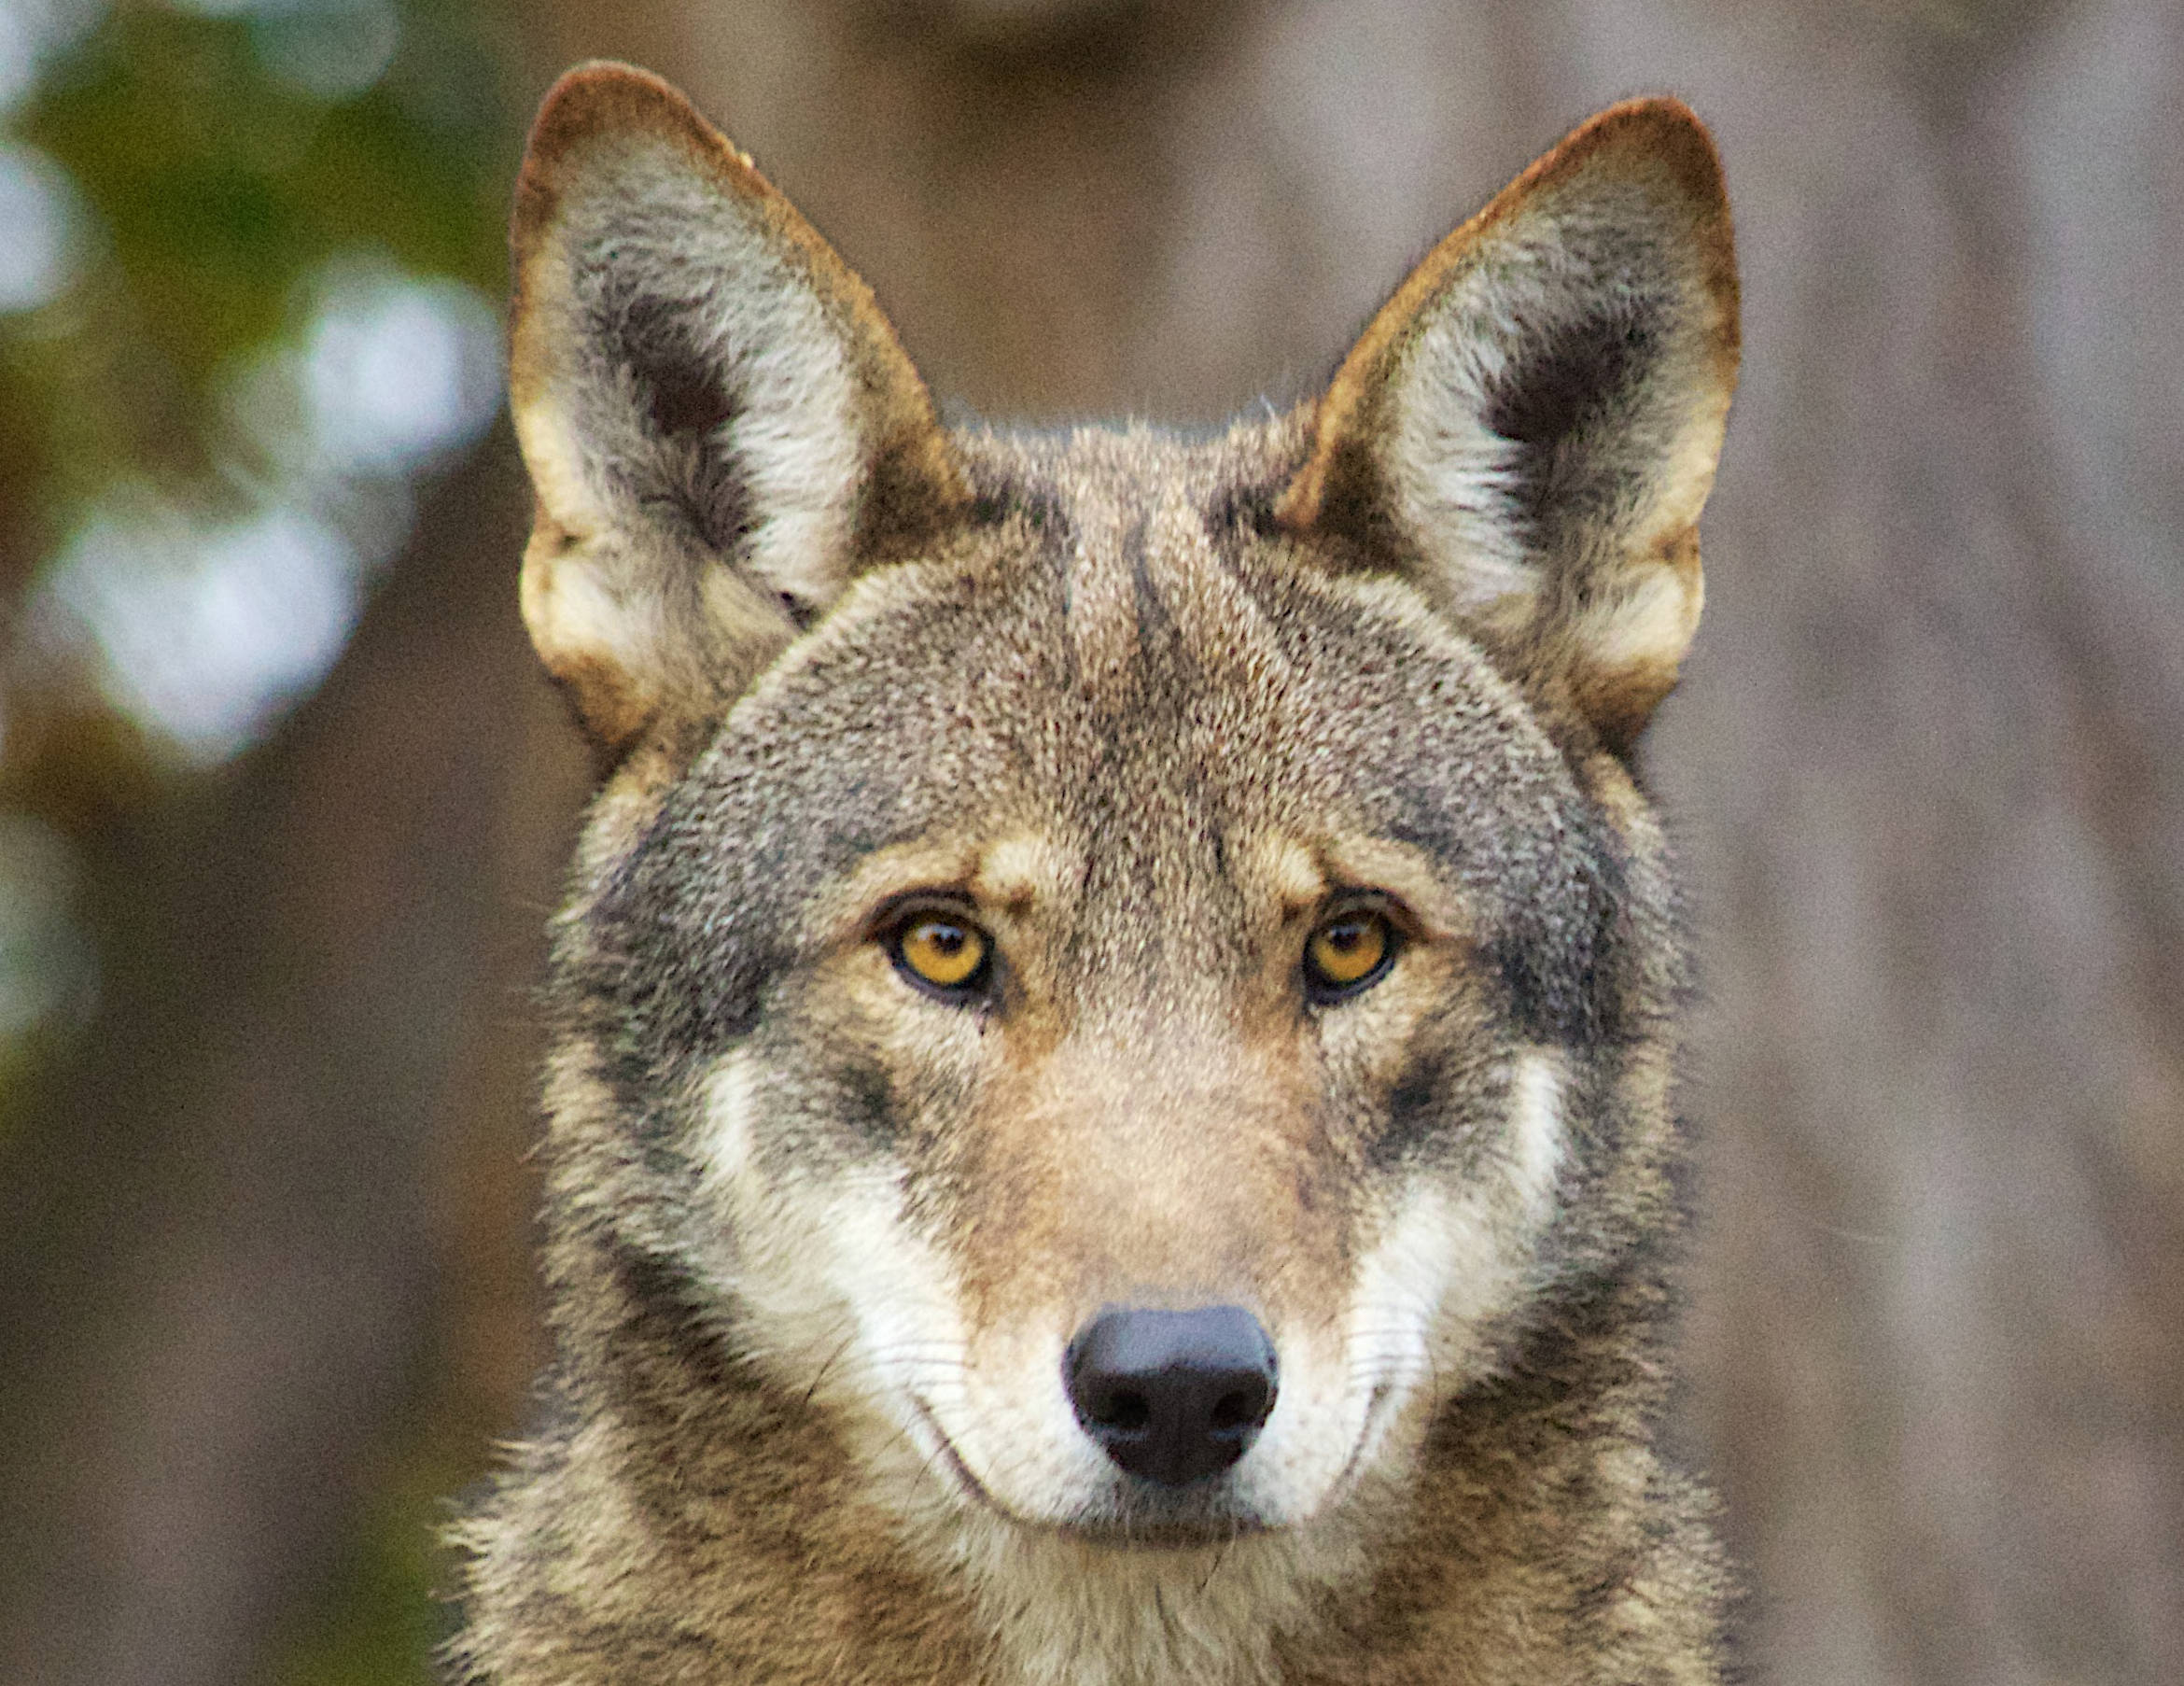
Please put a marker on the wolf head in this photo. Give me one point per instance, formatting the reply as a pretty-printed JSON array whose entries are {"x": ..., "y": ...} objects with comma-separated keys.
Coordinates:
[{"x": 1123, "y": 978}]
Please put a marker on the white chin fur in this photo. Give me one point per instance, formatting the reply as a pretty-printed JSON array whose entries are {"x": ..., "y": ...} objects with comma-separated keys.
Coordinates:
[{"x": 844, "y": 1297}]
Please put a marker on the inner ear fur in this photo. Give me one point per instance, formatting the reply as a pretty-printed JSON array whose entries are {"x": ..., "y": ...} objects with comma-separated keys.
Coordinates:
[
  {"x": 721, "y": 427},
  {"x": 1529, "y": 427}
]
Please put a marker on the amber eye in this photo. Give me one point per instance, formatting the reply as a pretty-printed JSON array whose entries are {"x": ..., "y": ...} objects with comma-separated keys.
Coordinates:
[
  {"x": 942, "y": 953},
  {"x": 1348, "y": 953}
]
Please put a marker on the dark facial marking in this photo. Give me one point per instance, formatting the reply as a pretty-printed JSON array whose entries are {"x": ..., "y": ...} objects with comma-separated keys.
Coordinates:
[
  {"x": 997, "y": 497},
  {"x": 1420, "y": 1116},
  {"x": 1240, "y": 512},
  {"x": 687, "y": 401},
  {"x": 683, "y": 395},
  {"x": 865, "y": 1103},
  {"x": 1417, "y": 1105},
  {"x": 664, "y": 1302},
  {"x": 1561, "y": 950},
  {"x": 1571, "y": 376},
  {"x": 671, "y": 968}
]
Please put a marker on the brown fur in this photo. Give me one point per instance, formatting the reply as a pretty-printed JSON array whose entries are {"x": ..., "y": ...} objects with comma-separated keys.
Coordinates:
[{"x": 1144, "y": 709}]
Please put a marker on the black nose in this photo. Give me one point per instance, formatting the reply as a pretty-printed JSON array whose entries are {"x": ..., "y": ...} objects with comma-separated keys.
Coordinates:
[{"x": 1172, "y": 1395}]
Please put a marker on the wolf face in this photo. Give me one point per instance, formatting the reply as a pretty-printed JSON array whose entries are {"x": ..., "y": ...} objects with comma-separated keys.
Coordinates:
[{"x": 1116, "y": 985}]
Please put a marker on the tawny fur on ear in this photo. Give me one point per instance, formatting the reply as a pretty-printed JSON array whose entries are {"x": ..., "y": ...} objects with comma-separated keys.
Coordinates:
[
  {"x": 1529, "y": 428},
  {"x": 720, "y": 424}
]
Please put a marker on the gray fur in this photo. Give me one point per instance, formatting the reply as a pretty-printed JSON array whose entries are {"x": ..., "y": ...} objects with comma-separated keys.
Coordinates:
[{"x": 805, "y": 1224}]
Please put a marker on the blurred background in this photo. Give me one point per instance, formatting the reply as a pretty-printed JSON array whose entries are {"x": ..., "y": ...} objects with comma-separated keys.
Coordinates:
[{"x": 284, "y": 804}]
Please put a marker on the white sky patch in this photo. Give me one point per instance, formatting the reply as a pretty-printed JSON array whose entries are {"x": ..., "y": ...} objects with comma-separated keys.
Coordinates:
[
  {"x": 203, "y": 633},
  {"x": 203, "y": 628},
  {"x": 398, "y": 370},
  {"x": 40, "y": 228},
  {"x": 330, "y": 49},
  {"x": 326, "y": 50},
  {"x": 34, "y": 31}
]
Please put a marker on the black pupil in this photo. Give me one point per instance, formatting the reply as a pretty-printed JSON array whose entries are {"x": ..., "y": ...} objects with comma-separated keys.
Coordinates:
[
  {"x": 1346, "y": 937},
  {"x": 949, "y": 940}
]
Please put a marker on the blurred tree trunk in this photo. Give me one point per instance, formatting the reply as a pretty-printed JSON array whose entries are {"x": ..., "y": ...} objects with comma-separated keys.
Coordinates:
[{"x": 224, "y": 1232}]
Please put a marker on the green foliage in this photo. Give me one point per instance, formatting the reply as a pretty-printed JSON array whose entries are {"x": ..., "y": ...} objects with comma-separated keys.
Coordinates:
[
  {"x": 218, "y": 183},
  {"x": 216, "y": 167},
  {"x": 379, "y": 1622},
  {"x": 213, "y": 177}
]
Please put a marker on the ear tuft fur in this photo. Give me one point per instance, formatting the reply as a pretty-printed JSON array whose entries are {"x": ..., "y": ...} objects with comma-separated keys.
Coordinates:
[
  {"x": 1529, "y": 427},
  {"x": 720, "y": 425}
]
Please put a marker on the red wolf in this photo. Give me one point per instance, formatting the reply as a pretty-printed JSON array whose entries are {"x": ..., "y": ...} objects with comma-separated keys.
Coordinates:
[{"x": 1111, "y": 1114}]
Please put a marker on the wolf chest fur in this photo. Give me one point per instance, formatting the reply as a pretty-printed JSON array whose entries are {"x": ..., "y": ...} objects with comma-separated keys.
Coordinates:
[{"x": 1110, "y": 1115}]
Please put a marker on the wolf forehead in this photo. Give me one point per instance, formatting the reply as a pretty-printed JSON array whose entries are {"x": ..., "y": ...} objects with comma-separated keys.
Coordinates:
[{"x": 1115, "y": 661}]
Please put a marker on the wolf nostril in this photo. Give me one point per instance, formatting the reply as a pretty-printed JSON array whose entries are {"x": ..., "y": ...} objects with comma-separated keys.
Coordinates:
[
  {"x": 1127, "y": 1411},
  {"x": 1236, "y": 1409},
  {"x": 1172, "y": 1396}
]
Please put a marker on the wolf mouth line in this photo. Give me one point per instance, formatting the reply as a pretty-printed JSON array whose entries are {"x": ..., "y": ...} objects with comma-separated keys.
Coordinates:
[
  {"x": 1148, "y": 1521},
  {"x": 1125, "y": 1533}
]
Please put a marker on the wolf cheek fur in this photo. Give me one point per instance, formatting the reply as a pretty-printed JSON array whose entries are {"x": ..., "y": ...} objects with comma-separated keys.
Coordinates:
[{"x": 1110, "y": 1115}]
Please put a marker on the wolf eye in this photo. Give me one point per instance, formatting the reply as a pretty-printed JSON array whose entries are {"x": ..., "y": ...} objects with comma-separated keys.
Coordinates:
[
  {"x": 1347, "y": 954},
  {"x": 943, "y": 953}
]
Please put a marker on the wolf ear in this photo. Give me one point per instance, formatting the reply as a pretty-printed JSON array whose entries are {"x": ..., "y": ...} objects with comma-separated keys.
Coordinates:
[
  {"x": 721, "y": 428},
  {"x": 1530, "y": 425}
]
